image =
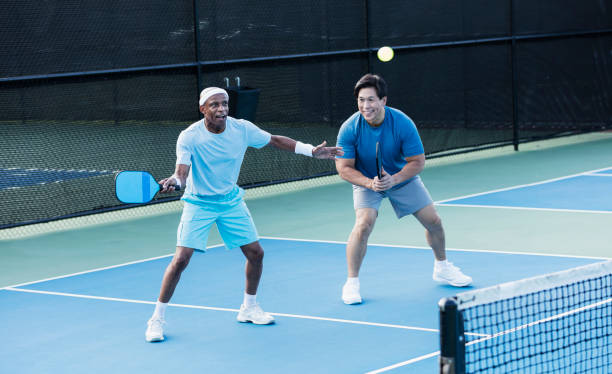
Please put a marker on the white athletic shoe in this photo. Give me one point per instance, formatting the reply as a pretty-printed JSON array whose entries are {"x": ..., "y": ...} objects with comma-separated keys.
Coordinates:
[
  {"x": 155, "y": 331},
  {"x": 450, "y": 274},
  {"x": 350, "y": 294},
  {"x": 254, "y": 314}
]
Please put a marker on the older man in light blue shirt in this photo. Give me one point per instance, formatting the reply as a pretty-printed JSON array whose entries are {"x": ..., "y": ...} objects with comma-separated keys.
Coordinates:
[{"x": 209, "y": 157}]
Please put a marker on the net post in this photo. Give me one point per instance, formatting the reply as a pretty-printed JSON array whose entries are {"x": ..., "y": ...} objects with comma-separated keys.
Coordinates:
[{"x": 452, "y": 340}]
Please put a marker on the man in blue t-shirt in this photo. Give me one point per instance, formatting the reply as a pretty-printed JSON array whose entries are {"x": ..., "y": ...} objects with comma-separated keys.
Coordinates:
[
  {"x": 209, "y": 155},
  {"x": 402, "y": 158}
]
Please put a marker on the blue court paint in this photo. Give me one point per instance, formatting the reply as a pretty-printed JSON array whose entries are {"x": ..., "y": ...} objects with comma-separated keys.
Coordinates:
[
  {"x": 60, "y": 334},
  {"x": 605, "y": 172},
  {"x": 584, "y": 192},
  {"x": 15, "y": 177},
  {"x": 66, "y": 335}
]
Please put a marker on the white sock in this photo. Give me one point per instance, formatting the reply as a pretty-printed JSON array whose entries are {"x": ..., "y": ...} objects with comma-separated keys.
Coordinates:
[
  {"x": 441, "y": 263},
  {"x": 249, "y": 300},
  {"x": 160, "y": 309},
  {"x": 352, "y": 281}
]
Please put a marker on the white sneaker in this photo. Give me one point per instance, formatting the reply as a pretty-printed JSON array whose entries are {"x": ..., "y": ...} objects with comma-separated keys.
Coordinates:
[
  {"x": 450, "y": 274},
  {"x": 254, "y": 314},
  {"x": 155, "y": 331},
  {"x": 350, "y": 294}
]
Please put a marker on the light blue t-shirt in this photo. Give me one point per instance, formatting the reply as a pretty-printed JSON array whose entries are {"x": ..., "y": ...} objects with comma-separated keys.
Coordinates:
[
  {"x": 216, "y": 159},
  {"x": 397, "y": 136}
]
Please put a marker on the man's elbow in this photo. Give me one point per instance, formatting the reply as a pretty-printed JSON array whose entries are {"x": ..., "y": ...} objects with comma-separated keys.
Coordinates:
[
  {"x": 421, "y": 165},
  {"x": 417, "y": 164},
  {"x": 273, "y": 141},
  {"x": 341, "y": 171}
]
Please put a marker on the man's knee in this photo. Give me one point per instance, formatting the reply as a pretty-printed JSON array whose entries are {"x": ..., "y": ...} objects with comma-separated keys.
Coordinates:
[
  {"x": 435, "y": 224},
  {"x": 429, "y": 218},
  {"x": 364, "y": 224},
  {"x": 364, "y": 227},
  {"x": 181, "y": 260},
  {"x": 253, "y": 252},
  {"x": 437, "y": 221}
]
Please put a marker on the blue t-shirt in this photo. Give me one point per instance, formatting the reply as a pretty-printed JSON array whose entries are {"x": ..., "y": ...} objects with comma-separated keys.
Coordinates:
[
  {"x": 215, "y": 159},
  {"x": 397, "y": 136}
]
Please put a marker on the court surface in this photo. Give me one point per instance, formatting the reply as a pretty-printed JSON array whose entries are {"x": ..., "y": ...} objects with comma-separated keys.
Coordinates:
[
  {"x": 585, "y": 192},
  {"x": 76, "y": 299},
  {"x": 93, "y": 322},
  {"x": 16, "y": 177}
]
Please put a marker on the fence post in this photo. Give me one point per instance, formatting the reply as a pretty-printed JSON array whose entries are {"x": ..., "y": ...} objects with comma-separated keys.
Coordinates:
[{"x": 515, "y": 81}]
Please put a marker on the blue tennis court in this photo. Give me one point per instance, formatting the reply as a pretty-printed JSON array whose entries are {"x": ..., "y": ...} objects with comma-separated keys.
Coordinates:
[
  {"x": 588, "y": 191},
  {"x": 21, "y": 177},
  {"x": 95, "y": 321}
]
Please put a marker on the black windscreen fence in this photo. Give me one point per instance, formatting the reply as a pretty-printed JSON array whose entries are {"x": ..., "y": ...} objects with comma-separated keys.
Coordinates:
[{"x": 90, "y": 88}]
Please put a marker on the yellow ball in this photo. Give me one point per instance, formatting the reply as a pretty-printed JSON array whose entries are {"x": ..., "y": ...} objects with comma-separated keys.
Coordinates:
[{"x": 385, "y": 54}]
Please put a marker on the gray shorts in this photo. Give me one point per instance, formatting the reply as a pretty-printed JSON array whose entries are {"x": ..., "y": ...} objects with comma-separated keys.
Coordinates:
[{"x": 405, "y": 199}]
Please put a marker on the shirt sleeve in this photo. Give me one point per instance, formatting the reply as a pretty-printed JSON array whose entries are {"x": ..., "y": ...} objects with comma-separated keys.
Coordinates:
[
  {"x": 346, "y": 140},
  {"x": 411, "y": 142},
  {"x": 183, "y": 151},
  {"x": 257, "y": 137}
]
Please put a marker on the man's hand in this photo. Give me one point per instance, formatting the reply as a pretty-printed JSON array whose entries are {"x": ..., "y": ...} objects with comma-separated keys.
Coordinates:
[
  {"x": 386, "y": 182},
  {"x": 321, "y": 151},
  {"x": 167, "y": 184}
]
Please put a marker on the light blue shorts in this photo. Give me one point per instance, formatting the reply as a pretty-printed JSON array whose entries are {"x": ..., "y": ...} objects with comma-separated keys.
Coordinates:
[
  {"x": 233, "y": 221},
  {"x": 405, "y": 199}
]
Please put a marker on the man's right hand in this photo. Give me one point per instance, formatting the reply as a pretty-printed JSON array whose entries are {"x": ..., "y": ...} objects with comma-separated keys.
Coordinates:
[
  {"x": 386, "y": 182},
  {"x": 167, "y": 184}
]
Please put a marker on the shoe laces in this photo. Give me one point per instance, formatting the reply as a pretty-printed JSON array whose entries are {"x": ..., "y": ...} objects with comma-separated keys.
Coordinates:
[
  {"x": 453, "y": 267},
  {"x": 449, "y": 267},
  {"x": 156, "y": 322},
  {"x": 256, "y": 310}
]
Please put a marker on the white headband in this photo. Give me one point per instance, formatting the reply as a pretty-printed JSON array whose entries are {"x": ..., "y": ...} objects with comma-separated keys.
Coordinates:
[{"x": 208, "y": 92}]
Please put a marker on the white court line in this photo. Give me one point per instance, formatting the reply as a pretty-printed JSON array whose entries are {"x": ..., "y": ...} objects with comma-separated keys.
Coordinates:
[
  {"x": 598, "y": 175},
  {"x": 98, "y": 269},
  {"x": 81, "y": 296},
  {"x": 408, "y": 362},
  {"x": 526, "y": 208},
  {"x": 440, "y": 202},
  {"x": 448, "y": 249},
  {"x": 404, "y": 363},
  {"x": 313, "y": 241}
]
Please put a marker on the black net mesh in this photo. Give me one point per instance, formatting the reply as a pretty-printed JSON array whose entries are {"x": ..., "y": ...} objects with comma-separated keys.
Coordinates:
[
  {"x": 458, "y": 97},
  {"x": 43, "y": 37},
  {"x": 248, "y": 29},
  {"x": 62, "y": 138},
  {"x": 565, "y": 85},
  {"x": 549, "y": 16},
  {"x": 421, "y": 21},
  {"x": 565, "y": 329}
]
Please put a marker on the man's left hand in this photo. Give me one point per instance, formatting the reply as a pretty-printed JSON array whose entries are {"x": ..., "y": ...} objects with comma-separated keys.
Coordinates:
[
  {"x": 321, "y": 151},
  {"x": 386, "y": 182}
]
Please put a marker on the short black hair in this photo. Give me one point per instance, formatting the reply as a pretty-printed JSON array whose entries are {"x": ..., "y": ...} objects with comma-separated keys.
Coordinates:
[{"x": 371, "y": 80}]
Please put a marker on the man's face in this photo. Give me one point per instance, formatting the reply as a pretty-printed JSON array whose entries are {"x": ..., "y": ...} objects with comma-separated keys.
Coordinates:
[
  {"x": 370, "y": 106},
  {"x": 215, "y": 109}
]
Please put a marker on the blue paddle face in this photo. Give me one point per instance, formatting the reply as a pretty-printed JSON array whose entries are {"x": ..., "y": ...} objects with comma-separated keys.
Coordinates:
[{"x": 135, "y": 187}]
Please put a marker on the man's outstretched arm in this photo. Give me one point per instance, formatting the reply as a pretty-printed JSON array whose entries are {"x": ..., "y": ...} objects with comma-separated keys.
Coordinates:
[{"x": 320, "y": 151}]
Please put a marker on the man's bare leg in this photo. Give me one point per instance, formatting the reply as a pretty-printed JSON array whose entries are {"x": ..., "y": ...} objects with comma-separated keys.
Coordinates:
[{"x": 358, "y": 240}]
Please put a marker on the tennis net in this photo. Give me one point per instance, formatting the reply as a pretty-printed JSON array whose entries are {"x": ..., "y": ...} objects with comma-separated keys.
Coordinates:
[{"x": 555, "y": 323}]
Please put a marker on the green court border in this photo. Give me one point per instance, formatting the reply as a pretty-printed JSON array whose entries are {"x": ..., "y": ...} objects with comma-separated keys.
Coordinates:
[{"x": 272, "y": 190}]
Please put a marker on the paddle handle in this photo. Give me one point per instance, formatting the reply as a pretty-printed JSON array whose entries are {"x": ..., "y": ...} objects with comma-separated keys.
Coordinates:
[{"x": 176, "y": 188}]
